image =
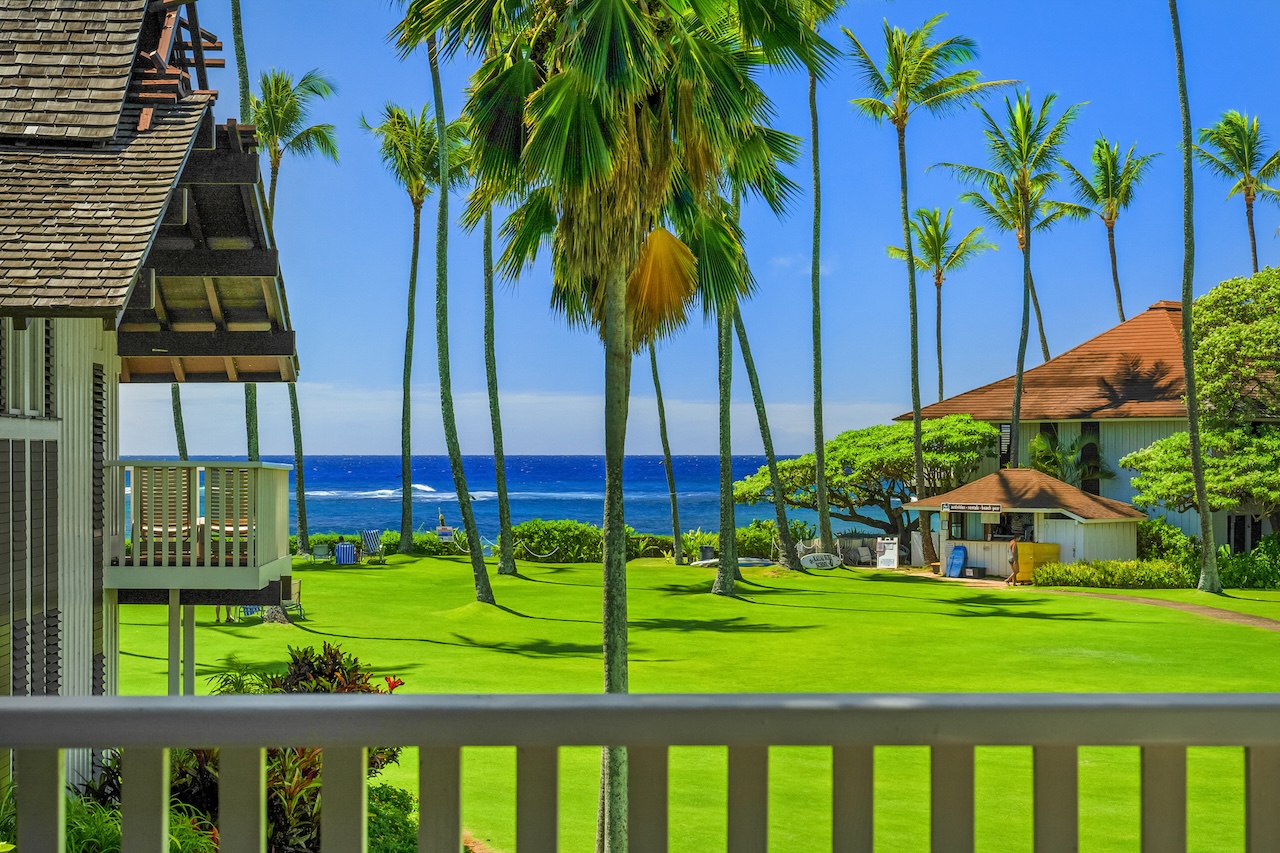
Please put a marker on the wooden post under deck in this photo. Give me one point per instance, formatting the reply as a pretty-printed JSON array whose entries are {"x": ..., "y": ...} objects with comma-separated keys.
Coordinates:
[
  {"x": 175, "y": 644},
  {"x": 189, "y": 649}
]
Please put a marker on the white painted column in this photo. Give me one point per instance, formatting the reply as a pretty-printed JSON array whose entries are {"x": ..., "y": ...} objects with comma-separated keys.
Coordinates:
[
  {"x": 43, "y": 803},
  {"x": 175, "y": 644},
  {"x": 189, "y": 649}
]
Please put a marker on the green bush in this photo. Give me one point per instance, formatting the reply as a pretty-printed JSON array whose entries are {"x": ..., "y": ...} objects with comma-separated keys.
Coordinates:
[
  {"x": 94, "y": 827},
  {"x": 393, "y": 824},
  {"x": 1117, "y": 574},
  {"x": 425, "y": 544},
  {"x": 1160, "y": 540},
  {"x": 557, "y": 541},
  {"x": 1256, "y": 569},
  {"x": 757, "y": 539}
]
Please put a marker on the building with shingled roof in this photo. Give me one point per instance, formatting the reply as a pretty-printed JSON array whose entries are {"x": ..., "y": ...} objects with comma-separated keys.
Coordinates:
[{"x": 133, "y": 248}]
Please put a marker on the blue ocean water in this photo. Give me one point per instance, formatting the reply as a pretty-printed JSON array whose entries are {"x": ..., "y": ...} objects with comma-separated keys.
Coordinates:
[{"x": 354, "y": 492}]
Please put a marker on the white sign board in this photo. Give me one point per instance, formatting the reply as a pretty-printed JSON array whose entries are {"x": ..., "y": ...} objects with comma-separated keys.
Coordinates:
[
  {"x": 887, "y": 552},
  {"x": 445, "y": 534},
  {"x": 947, "y": 507},
  {"x": 819, "y": 561}
]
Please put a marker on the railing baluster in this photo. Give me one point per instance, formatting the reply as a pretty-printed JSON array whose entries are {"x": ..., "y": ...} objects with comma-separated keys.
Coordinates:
[
  {"x": 344, "y": 788},
  {"x": 242, "y": 800},
  {"x": 1261, "y": 799},
  {"x": 166, "y": 517},
  {"x": 1057, "y": 821},
  {"x": 144, "y": 800},
  {"x": 951, "y": 798},
  {"x": 647, "y": 799},
  {"x": 440, "y": 799},
  {"x": 250, "y": 516},
  {"x": 852, "y": 798},
  {"x": 1164, "y": 799},
  {"x": 206, "y": 548},
  {"x": 42, "y": 804},
  {"x": 537, "y": 799},
  {"x": 174, "y": 628},
  {"x": 748, "y": 799},
  {"x": 188, "y": 649}
]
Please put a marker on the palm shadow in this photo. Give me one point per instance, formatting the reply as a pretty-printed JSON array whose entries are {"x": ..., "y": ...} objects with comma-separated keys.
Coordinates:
[{"x": 735, "y": 624}]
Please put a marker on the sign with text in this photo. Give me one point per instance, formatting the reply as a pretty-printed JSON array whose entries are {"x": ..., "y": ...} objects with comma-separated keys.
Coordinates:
[{"x": 946, "y": 507}]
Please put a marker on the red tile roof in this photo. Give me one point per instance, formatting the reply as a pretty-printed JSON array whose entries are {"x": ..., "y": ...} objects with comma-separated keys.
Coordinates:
[
  {"x": 1024, "y": 490},
  {"x": 1131, "y": 371}
]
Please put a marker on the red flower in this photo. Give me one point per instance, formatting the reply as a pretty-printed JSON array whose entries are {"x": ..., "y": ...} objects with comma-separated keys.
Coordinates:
[{"x": 392, "y": 683}]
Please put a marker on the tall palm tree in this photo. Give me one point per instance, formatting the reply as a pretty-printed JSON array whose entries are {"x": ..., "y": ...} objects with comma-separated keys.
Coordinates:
[
  {"x": 919, "y": 73},
  {"x": 1234, "y": 148},
  {"x": 506, "y": 540},
  {"x": 677, "y": 547},
  {"x": 727, "y": 572},
  {"x": 1022, "y": 155},
  {"x": 602, "y": 129},
  {"x": 280, "y": 115},
  {"x": 179, "y": 430},
  {"x": 246, "y": 117},
  {"x": 1209, "y": 581},
  {"x": 937, "y": 254},
  {"x": 1109, "y": 191}
]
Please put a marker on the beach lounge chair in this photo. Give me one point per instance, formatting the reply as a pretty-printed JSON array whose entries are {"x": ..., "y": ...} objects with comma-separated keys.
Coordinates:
[
  {"x": 293, "y": 604},
  {"x": 372, "y": 540},
  {"x": 866, "y": 556},
  {"x": 249, "y": 610},
  {"x": 322, "y": 552}
]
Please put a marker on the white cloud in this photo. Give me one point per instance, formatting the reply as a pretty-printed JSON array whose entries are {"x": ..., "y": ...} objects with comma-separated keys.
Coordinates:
[{"x": 354, "y": 420}]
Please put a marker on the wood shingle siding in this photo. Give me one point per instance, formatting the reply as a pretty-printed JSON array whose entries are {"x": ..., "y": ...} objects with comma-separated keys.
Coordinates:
[{"x": 64, "y": 66}]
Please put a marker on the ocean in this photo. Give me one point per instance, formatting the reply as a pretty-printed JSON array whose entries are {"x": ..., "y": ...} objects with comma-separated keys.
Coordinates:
[{"x": 346, "y": 493}]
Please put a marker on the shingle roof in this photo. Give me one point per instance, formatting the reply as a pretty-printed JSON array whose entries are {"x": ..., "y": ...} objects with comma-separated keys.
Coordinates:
[
  {"x": 1023, "y": 490},
  {"x": 64, "y": 66},
  {"x": 1133, "y": 370},
  {"x": 75, "y": 222}
]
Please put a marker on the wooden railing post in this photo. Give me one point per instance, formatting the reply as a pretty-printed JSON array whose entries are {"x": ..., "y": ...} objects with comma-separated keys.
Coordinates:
[
  {"x": 852, "y": 798},
  {"x": 344, "y": 789},
  {"x": 1262, "y": 799},
  {"x": 42, "y": 801},
  {"x": 951, "y": 799},
  {"x": 537, "y": 799},
  {"x": 440, "y": 799},
  {"x": 1057, "y": 822},
  {"x": 242, "y": 800},
  {"x": 647, "y": 799},
  {"x": 748, "y": 799},
  {"x": 144, "y": 800},
  {"x": 1164, "y": 799}
]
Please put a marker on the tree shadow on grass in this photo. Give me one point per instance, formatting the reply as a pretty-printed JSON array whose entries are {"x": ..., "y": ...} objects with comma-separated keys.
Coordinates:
[{"x": 732, "y": 624}]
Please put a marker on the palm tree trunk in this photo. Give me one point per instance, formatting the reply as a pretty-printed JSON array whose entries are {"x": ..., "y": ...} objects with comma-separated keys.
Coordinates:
[
  {"x": 1115, "y": 269},
  {"x": 246, "y": 117},
  {"x": 1035, "y": 303},
  {"x": 1015, "y": 422},
  {"x": 271, "y": 193},
  {"x": 815, "y": 283},
  {"x": 917, "y": 444},
  {"x": 937, "y": 281},
  {"x": 617, "y": 358},
  {"x": 677, "y": 547},
  {"x": 1253, "y": 239},
  {"x": 728, "y": 569},
  {"x": 299, "y": 470},
  {"x": 484, "y": 593},
  {"x": 406, "y": 458},
  {"x": 506, "y": 546},
  {"x": 787, "y": 547},
  {"x": 1209, "y": 581},
  {"x": 179, "y": 430},
  {"x": 251, "y": 419}
]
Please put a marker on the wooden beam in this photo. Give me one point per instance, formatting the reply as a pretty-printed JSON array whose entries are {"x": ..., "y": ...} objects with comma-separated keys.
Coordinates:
[
  {"x": 221, "y": 167},
  {"x": 217, "y": 378},
  {"x": 215, "y": 306},
  {"x": 194, "y": 225},
  {"x": 269, "y": 594},
  {"x": 233, "y": 134},
  {"x": 178, "y": 373},
  {"x": 229, "y": 263},
  {"x": 230, "y": 364},
  {"x": 162, "y": 314},
  {"x": 196, "y": 45},
  {"x": 227, "y": 344}
]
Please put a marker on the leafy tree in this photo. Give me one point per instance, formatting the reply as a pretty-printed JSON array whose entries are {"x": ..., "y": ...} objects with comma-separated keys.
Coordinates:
[
  {"x": 1234, "y": 148},
  {"x": 1242, "y": 469},
  {"x": 918, "y": 74},
  {"x": 1108, "y": 191},
  {"x": 279, "y": 115},
  {"x": 937, "y": 254},
  {"x": 1236, "y": 331},
  {"x": 1209, "y": 581},
  {"x": 875, "y": 467},
  {"x": 1023, "y": 154},
  {"x": 1071, "y": 462}
]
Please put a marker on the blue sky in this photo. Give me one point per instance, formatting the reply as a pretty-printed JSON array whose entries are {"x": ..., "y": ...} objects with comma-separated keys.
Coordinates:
[{"x": 344, "y": 234}]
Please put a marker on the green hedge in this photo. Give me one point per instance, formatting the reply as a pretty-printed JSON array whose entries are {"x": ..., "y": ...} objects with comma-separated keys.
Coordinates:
[
  {"x": 1118, "y": 574},
  {"x": 541, "y": 541},
  {"x": 424, "y": 544},
  {"x": 754, "y": 540},
  {"x": 1258, "y": 569}
]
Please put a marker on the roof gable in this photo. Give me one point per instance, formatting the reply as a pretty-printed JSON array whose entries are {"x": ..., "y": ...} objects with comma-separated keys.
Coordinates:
[{"x": 1133, "y": 370}]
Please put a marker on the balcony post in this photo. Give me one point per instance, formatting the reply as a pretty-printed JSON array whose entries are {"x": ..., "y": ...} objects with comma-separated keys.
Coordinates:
[
  {"x": 1057, "y": 821},
  {"x": 440, "y": 799},
  {"x": 189, "y": 649},
  {"x": 647, "y": 799},
  {"x": 144, "y": 800},
  {"x": 42, "y": 805},
  {"x": 1164, "y": 799},
  {"x": 175, "y": 642},
  {"x": 344, "y": 824},
  {"x": 242, "y": 800},
  {"x": 537, "y": 811},
  {"x": 852, "y": 798},
  {"x": 748, "y": 799},
  {"x": 951, "y": 798}
]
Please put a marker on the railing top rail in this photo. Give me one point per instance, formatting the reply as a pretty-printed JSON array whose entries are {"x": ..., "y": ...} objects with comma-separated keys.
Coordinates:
[
  {"x": 197, "y": 463},
  {"x": 1039, "y": 719}
]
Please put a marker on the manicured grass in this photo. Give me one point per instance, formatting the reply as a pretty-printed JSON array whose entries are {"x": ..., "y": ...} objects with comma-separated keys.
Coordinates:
[{"x": 831, "y": 631}]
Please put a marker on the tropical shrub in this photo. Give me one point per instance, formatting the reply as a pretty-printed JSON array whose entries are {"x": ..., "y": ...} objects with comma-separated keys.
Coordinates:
[
  {"x": 757, "y": 539},
  {"x": 425, "y": 544},
  {"x": 94, "y": 827},
  {"x": 393, "y": 822},
  {"x": 1256, "y": 569},
  {"x": 1118, "y": 574},
  {"x": 1160, "y": 540}
]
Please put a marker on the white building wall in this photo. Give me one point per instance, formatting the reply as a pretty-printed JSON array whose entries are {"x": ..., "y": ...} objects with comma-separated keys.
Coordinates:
[{"x": 1109, "y": 541}]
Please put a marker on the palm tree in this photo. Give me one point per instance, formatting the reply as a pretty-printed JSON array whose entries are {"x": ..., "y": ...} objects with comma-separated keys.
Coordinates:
[
  {"x": 1109, "y": 191},
  {"x": 727, "y": 572},
  {"x": 938, "y": 255},
  {"x": 1209, "y": 581},
  {"x": 677, "y": 547},
  {"x": 246, "y": 117},
  {"x": 179, "y": 431},
  {"x": 506, "y": 540},
  {"x": 279, "y": 115},
  {"x": 602, "y": 129},
  {"x": 1069, "y": 461},
  {"x": 1022, "y": 154},
  {"x": 1234, "y": 148},
  {"x": 918, "y": 73}
]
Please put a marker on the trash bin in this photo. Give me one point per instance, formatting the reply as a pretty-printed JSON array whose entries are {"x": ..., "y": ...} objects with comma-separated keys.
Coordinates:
[{"x": 706, "y": 552}]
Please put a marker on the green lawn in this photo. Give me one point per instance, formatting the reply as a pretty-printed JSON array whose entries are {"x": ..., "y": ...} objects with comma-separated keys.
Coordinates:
[{"x": 832, "y": 631}]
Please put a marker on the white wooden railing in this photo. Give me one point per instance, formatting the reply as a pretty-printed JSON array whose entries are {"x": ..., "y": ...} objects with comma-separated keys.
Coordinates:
[
  {"x": 1163, "y": 725},
  {"x": 201, "y": 515}
]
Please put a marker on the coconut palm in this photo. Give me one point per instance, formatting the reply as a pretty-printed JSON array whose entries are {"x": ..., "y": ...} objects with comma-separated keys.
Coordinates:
[
  {"x": 1209, "y": 581},
  {"x": 280, "y": 114},
  {"x": 506, "y": 540},
  {"x": 677, "y": 547},
  {"x": 1108, "y": 191},
  {"x": 937, "y": 254},
  {"x": 1235, "y": 148},
  {"x": 919, "y": 73},
  {"x": 246, "y": 117},
  {"x": 1023, "y": 154},
  {"x": 1069, "y": 461},
  {"x": 179, "y": 430},
  {"x": 602, "y": 130}
]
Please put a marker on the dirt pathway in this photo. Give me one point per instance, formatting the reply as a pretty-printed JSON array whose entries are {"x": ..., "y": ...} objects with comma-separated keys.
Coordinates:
[{"x": 1218, "y": 613}]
